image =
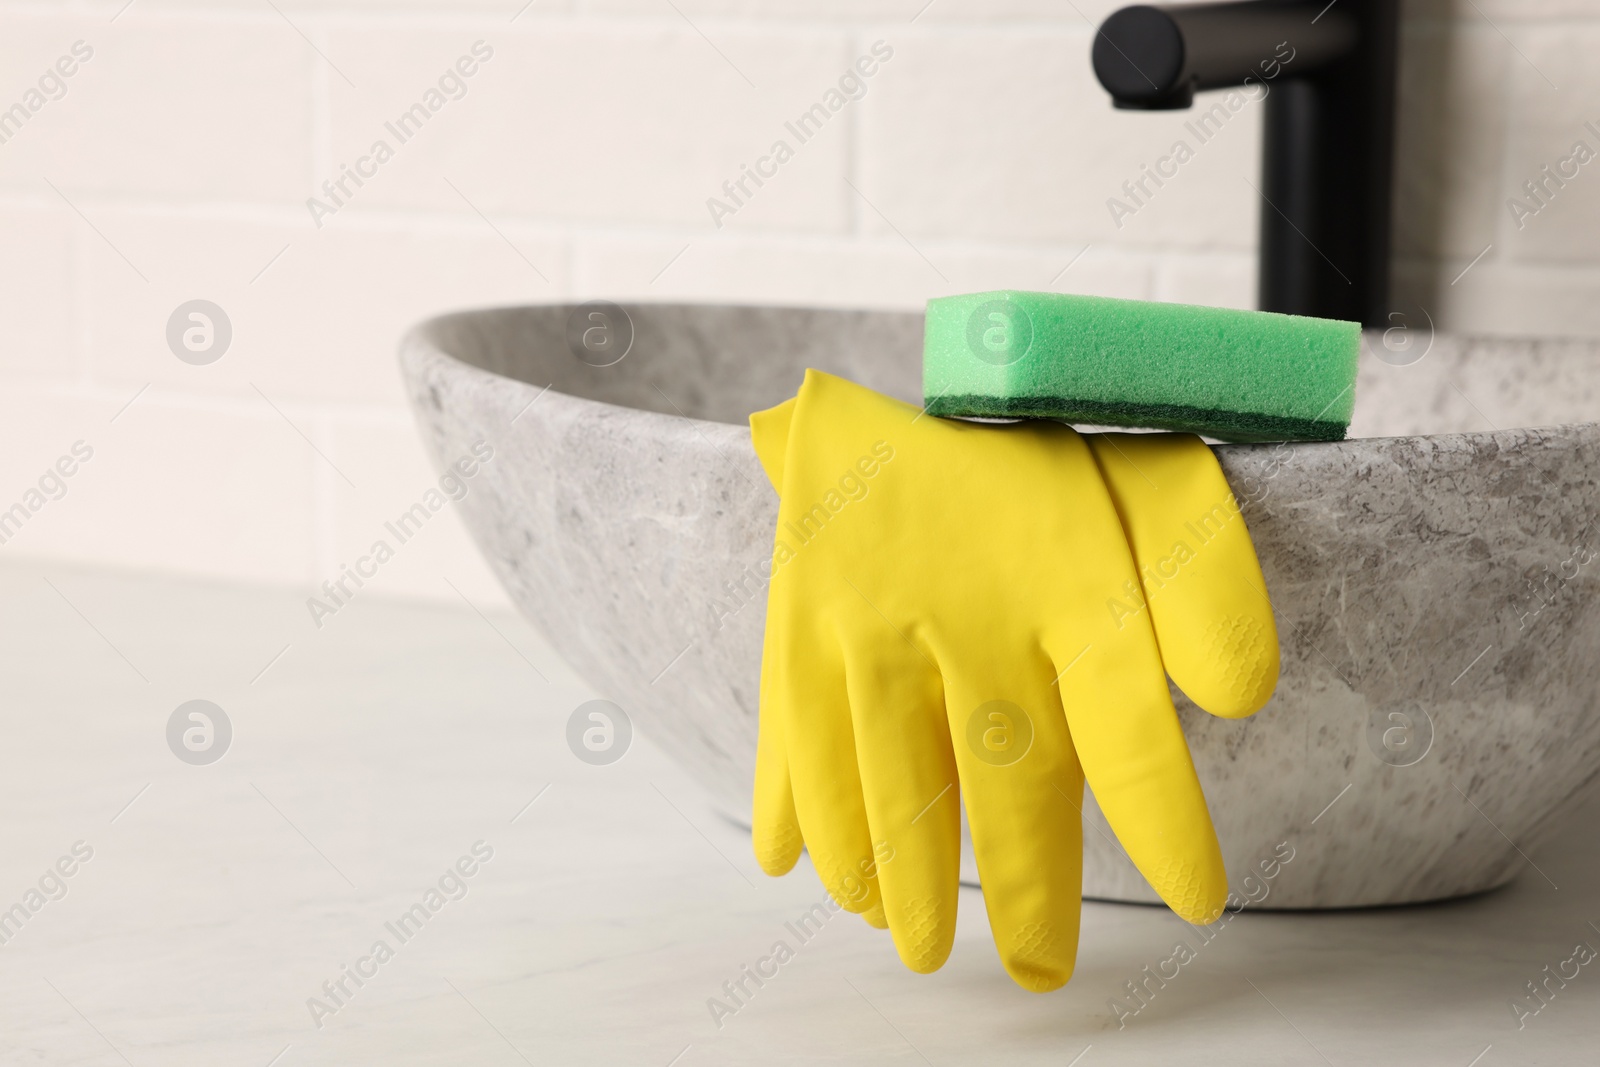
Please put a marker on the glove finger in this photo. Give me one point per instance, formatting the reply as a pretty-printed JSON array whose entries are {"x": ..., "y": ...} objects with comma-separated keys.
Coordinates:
[
  {"x": 1200, "y": 577},
  {"x": 774, "y": 827},
  {"x": 1019, "y": 778},
  {"x": 908, "y": 779},
  {"x": 769, "y": 436},
  {"x": 1136, "y": 760},
  {"x": 823, "y": 777}
]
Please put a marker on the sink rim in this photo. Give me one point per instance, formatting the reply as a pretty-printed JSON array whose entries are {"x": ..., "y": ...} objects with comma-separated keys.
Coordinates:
[{"x": 431, "y": 334}]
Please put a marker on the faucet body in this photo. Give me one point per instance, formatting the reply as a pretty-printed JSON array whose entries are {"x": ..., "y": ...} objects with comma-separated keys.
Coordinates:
[{"x": 1328, "y": 148}]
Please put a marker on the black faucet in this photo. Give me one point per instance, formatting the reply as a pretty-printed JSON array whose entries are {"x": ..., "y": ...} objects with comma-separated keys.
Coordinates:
[{"x": 1327, "y": 70}]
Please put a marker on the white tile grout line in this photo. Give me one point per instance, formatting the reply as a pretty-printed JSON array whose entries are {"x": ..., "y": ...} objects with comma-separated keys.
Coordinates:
[
  {"x": 555, "y": 230},
  {"x": 345, "y": 413},
  {"x": 855, "y": 223},
  {"x": 320, "y": 105},
  {"x": 314, "y": 46},
  {"x": 79, "y": 297},
  {"x": 324, "y": 512}
]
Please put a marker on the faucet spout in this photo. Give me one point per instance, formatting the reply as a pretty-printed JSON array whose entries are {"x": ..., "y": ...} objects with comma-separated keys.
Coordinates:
[
  {"x": 1327, "y": 72},
  {"x": 1157, "y": 58}
]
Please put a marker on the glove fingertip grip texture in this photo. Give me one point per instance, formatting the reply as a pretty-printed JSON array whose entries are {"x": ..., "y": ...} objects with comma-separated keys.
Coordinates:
[
  {"x": 925, "y": 933},
  {"x": 1197, "y": 895},
  {"x": 1040, "y": 959},
  {"x": 1236, "y": 670},
  {"x": 776, "y": 841}
]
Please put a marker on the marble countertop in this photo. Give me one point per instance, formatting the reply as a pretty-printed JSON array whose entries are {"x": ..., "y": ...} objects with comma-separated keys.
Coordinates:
[{"x": 402, "y": 775}]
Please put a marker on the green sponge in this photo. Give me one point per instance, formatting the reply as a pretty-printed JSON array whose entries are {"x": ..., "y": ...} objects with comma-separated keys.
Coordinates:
[{"x": 1234, "y": 375}]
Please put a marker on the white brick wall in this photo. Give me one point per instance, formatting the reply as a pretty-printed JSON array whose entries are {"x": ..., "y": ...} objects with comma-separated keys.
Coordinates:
[{"x": 178, "y": 160}]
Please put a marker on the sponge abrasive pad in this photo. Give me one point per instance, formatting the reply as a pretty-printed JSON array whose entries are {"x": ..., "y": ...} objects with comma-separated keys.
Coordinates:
[{"x": 1233, "y": 375}]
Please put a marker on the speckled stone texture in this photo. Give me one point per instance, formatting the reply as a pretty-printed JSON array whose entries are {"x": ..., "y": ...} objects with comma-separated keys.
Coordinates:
[{"x": 1436, "y": 594}]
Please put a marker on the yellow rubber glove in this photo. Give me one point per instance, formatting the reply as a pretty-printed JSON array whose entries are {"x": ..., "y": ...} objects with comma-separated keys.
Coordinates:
[{"x": 997, "y": 554}]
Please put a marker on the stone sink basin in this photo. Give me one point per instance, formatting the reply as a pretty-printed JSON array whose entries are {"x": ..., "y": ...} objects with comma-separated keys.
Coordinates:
[{"x": 1435, "y": 576}]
